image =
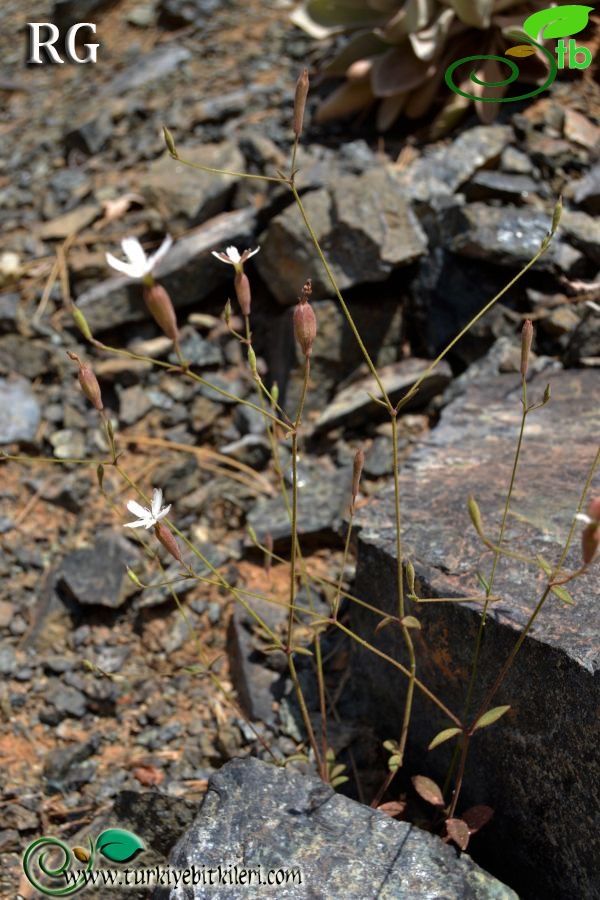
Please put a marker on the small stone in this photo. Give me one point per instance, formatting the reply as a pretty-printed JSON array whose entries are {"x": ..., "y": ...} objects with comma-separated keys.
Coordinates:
[
  {"x": 19, "y": 411},
  {"x": 514, "y": 160},
  {"x": 67, "y": 701},
  {"x": 134, "y": 403},
  {"x": 198, "y": 351},
  {"x": 9, "y": 306},
  {"x": 8, "y": 660},
  {"x": 142, "y": 16},
  {"x": 578, "y": 128},
  {"x": 68, "y": 444},
  {"x": 96, "y": 575},
  {"x": 7, "y": 612},
  {"x": 501, "y": 186},
  {"x": 587, "y": 191}
]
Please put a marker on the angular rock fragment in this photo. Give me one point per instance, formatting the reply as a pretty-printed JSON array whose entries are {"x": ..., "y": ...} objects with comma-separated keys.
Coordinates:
[{"x": 256, "y": 815}]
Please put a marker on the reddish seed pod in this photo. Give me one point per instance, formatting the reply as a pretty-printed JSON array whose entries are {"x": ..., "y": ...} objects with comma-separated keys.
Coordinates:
[
  {"x": 305, "y": 326},
  {"x": 300, "y": 102},
  {"x": 593, "y": 510},
  {"x": 526, "y": 339},
  {"x": 590, "y": 541},
  {"x": 167, "y": 539},
  {"x": 88, "y": 381},
  {"x": 161, "y": 309},
  {"x": 242, "y": 290}
]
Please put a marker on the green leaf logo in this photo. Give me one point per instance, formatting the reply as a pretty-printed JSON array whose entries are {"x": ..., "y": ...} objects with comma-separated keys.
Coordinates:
[
  {"x": 561, "y": 21},
  {"x": 118, "y": 845}
]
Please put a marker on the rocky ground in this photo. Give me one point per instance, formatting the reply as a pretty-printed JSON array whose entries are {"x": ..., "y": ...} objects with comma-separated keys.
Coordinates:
[{"x": 104, "y": 686}]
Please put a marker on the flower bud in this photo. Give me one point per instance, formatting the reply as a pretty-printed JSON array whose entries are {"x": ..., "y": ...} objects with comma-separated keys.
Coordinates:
[
  {"x": 300, "y": 102},
  {"x": 167, "y": 539},
  {"x": 161, "y": 309},
  {"x": 526, "y": 339},
  {"x": 242, "y": 290},
  {"x": 359, "y": 461},
  {"x": 305, "y": 323},
  {"x": 88, "y": 381},
  {"x": 590, "y": 541}
]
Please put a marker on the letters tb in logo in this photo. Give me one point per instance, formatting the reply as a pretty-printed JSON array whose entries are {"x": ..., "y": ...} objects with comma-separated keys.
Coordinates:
[{"x": 43, "y": 42}]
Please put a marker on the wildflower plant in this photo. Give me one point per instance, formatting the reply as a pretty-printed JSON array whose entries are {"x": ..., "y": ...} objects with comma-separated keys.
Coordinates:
[{"x": 462, "y": 726}]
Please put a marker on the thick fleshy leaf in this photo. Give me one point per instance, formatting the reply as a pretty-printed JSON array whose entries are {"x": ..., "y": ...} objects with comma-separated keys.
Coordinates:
[
  {"x": 398, "y": 71},
  {"x": 458, "y": 831},
  {"x": 350, "y": 13},
  {"x": 443, "y": 736},
  {"x": 119, "y": 845},
  {"x": 491, "y": 716},
  {"x": 477, "y": 13},
  {"x": 347, "y": 99},
  {"x": 558, "y": 22},
  {"x": 428, "y": 790},
  {"x": 364, "y": 45}
]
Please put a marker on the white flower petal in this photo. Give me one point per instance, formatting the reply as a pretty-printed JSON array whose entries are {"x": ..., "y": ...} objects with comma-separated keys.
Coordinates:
[
  {"x": 157, "y": 496},
  {"x": 163, "y": 513},
  {"x": 162, "y": 251},
  {"x": 581, "y": 517},
  {"x": 137, "y": 509},
  {"x": 249, "y": 253},
  {"x": 123, "y": 267},
  {"x": 134, "y": 252},
  {"x": 139, "y": 524},
  {"x": 222, "y": 257},
  {"x": 233, "y": 254}
]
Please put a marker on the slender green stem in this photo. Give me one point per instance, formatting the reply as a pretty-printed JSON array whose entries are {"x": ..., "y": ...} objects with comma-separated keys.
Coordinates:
[
  {"x": 213, "y": 171},
  {"x": 418, "y": 684}
]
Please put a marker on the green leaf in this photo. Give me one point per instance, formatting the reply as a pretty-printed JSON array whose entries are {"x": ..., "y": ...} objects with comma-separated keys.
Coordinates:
[
  {"x": 547, "y": 568},
  {"x": 394, "y": 762},
  {"x": 100, "y": 475},
  {"x": 491, "y": 716},
  {"x": 335, "y": 782},
  {"x": 561, "y": 21},
  {"x": 563, "y": 594},
  {"x": 411, "y": 622},
  {"x": 483, "y": 582},
  {"x": 387, "y": 620},
  {"x": 392, "y": 746},
  {"x": 119, "y": 845},
  {"x": 443, "y": 736}
]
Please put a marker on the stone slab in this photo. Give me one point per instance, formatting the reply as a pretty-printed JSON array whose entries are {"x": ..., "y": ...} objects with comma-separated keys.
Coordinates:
[{"x": 539, "y": 766}]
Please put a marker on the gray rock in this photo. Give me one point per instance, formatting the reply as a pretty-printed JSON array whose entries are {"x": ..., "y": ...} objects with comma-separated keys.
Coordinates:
[
  {"x": 19, "y": 411},
  {"x": 587, "y": 191},
  {"x": 9, "y": 306},
  {"x": 583, "y": 232},
  {"x": 323, "y": 497},
  {"x": 68, "y": 443},
  {"x": 507, "y": 235},
  {"x": 178, "y": 13},
  {"x": 515, "y": 766},
  {"x": 188, "y": 196},
  {"x": 134, "y": 403},
  {"x": 199, "y": 351},
  {"x": 352, "y": 405},
  {"x": 96, "y": 575},
  {"x": 188, "y": 272},
  {"x": 502, "y": 186},
  {"x": 336, "y": 354},
  {"x": 256, "y": 815},
  {"x": 443, "y": 169},
  {"x": 66, "y": 700},
  {"x": 159, "y": 63},
  {"x": 28, "y": 357},
  {"x": 585, "y": 339},
  {"x": 364, "y": 225},
  {"x": 514, "y": 160},
  {"x": 92, "y": 134}
]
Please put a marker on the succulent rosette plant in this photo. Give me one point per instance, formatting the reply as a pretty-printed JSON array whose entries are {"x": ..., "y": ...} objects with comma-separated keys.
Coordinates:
[{"x": 399, "y": 50}]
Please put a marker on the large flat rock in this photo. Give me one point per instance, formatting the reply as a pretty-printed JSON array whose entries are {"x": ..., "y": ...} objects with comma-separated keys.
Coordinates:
[
  {"x": 539, "y": 766},
  {"x": 258, "y": 817}
]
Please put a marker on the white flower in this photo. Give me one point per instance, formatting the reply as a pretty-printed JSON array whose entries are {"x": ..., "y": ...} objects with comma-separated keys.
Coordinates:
[
  {"x": 148, "y": 517},
  {"x": 581, "y": 517},
  {"x": 232, "y": 256},
  {"x": 138, "y": 265}
]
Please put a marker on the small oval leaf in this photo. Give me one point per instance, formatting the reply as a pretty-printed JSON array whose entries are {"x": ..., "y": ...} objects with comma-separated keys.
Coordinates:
[
  {"x": 392, "y": 808},
  {"x": 475, "y": 516},
  {"x": 442, "y": 736},
  {"x": 477, "y": 816},
  {"x": 387, "y": 620},
  {"x": 521, "y": 50},
  {"x": 428, "y": 790},
  {"x": 411, "y": 622},
  {"x": 118, "y": 845},
  {"x": 458, "y": 831},
  {"x": 491, "y": 716},
  {"x": 563, "y": 595}
]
